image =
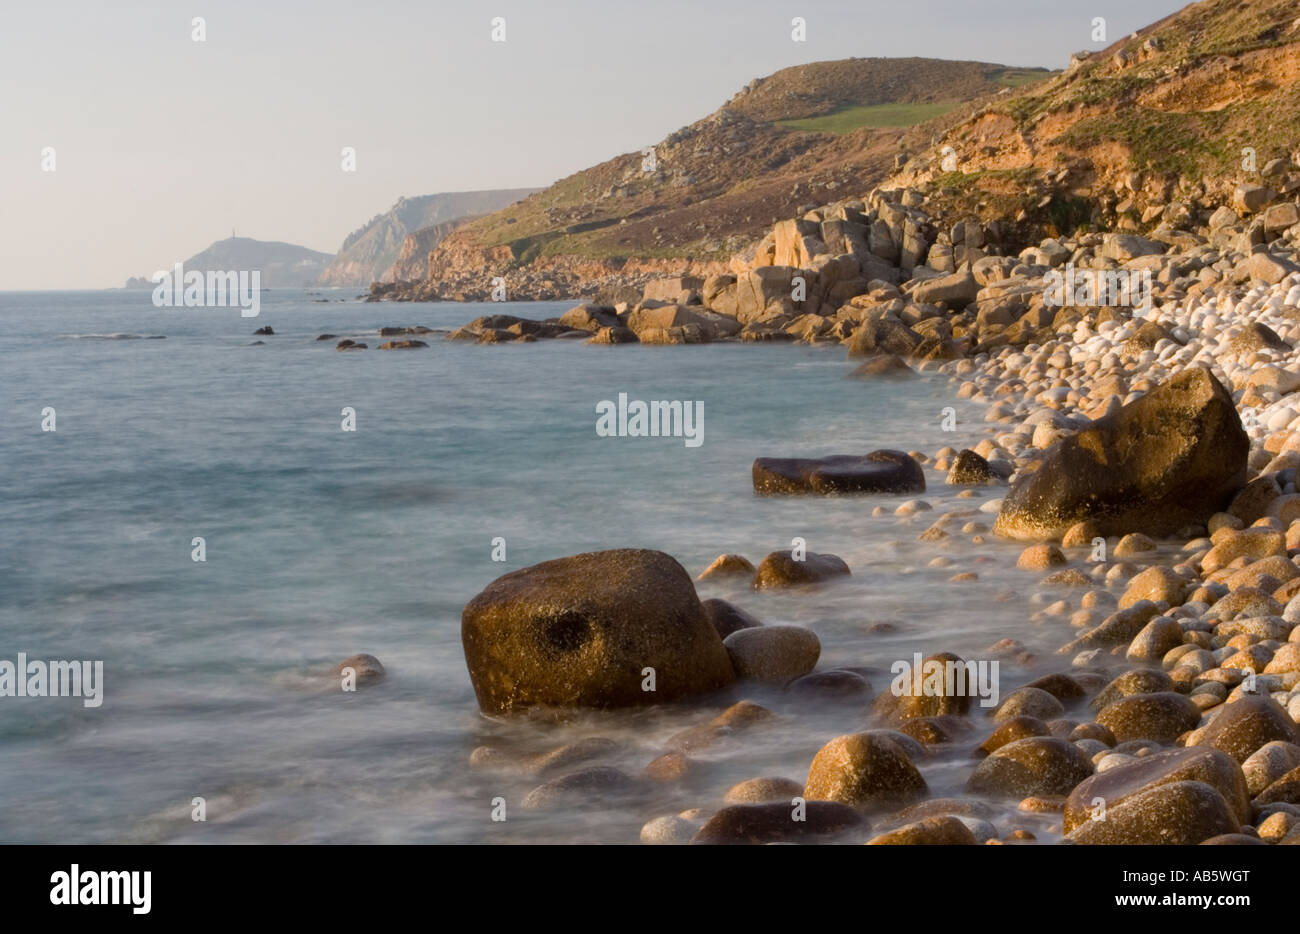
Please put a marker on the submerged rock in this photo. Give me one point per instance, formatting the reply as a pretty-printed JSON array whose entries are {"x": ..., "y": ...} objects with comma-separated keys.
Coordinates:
[{"x": 781, "y": 569}]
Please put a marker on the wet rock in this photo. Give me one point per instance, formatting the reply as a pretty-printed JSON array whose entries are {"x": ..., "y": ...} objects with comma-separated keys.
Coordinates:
[
  {"x": 1167, "y": 460},
  {"x": 763, "y": 791},
  {"x": 1039, "y": 765},
  {"x": 366, "y": 669},
  {"x": 1160, "y": 717},
  {"x": 670, "y": 767},
  {"x": 878, "y": 472},
  {"x": 932, "y": 831},
  {"x": 1176, "y": 814},
  {"x": 942, "y": 690},
  {"x": 777, "y": 823},
  {"x": 579, "y": 631},
  {"x": 773, "y": 654},
  {"x": 737, "y": 718},
  {"x": 1243, "y": 726},
  {"x": 866, "y": 771},
  {"x": 831, "y": 684},
  {"x": 263, "y": 331},
  {"x": 1155, "y": 640},
  {"x": 727, "y": 618},
  {"x": 1269, "y": 763},
  {"x": 579, "y": 788},
  {"x": 1216, "y": 769},
  {"x": 780, "y": 569},
  {"x": 614, "y": 335},
  {"x": 669, "y": 831},
  {"x": 1156, "y": 583},
  {"x": 886, "y": 367},
  {"x": 1040, "y": 558},
  {"x": 969, "y": 468},
  {"x": 1010, "y": 730},
  {"x": 728, "y": 566},
  {"x": 402, "y": 345},
  {"x": 1285, "y": 790},
  {"x": 1029, "y": 702}
]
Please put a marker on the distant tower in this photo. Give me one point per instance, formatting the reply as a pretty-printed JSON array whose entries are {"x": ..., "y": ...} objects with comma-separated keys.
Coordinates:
[{"x": 232, "y": 233}]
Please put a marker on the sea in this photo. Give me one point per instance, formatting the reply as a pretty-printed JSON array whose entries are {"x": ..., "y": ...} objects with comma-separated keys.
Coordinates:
[{"x": 137, "y": 439}]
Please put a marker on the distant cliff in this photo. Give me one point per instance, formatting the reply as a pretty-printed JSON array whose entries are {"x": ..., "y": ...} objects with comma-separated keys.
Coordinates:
[
  {"x": 282, "y": 265},
  {"x": 369, "y": 252},
  {"x": 412, "y": 262}
]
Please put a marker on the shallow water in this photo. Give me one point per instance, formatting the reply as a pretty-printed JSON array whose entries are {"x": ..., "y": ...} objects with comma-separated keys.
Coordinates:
[{"x": 323, "y": 543}]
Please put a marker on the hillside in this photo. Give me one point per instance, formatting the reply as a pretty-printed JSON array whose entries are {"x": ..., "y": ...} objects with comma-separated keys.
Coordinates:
[
  {"x": 282, "y": 265},
  {"x": 714, "y": 186},
  {"x": 1148, "y": 131},
  {"x": 370, "y": 250}
]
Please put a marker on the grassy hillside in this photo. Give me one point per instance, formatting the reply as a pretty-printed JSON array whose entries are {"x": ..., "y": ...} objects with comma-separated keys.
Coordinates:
[
  {"x": 1168, "y": 109},
  {"x": 801, "y": 136}
]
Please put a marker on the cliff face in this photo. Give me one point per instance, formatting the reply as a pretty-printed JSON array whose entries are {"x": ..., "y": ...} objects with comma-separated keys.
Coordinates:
[
  {"x": 1155, "y": 131},
  {"x": 368, "y": 252},
  {"x": 412, "y": 261},
  {"x": 282, "y": 265}
]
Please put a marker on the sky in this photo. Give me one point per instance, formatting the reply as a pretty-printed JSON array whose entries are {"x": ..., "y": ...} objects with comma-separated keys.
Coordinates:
[{"x": 163, "y": 144}]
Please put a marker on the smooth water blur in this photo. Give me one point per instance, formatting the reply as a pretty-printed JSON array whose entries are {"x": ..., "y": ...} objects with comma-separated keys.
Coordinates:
[{"x": 323, "y": 543}]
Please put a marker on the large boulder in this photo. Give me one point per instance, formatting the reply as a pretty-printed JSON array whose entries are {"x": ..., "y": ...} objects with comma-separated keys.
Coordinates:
[
  {"x": 1165, "y": 461},
  {"x": 878, "y": 472},
  {"x": 1244, "y": 726},
  {"x": 1177, "y": 814},
  {"x": 1113, "y": 786},
  {"x": 579, "y": 631}
]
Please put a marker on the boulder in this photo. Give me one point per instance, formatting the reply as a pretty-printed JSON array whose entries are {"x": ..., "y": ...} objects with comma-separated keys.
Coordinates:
[
  {"x": 1115, "y": 785},
  {"x": 882, "y": 471},
  {"x": 776, "y": 823},
  {"x": 773, "y": 654},
  {"x": 866, "y": 771},
  {"x": 1177, "y": 814},
  {"x": 1243, "y": 726},
  {"x": 1036, "y": 765},
  {"x": 1170, "y": 459},
  {"x": 578, "y": 631},
  {"x": 782, "y": 569},
  {"x": 1162, "y": 717}
]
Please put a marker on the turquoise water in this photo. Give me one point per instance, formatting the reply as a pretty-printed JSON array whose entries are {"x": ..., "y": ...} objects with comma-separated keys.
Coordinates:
[{"x": 322, "y": 543}]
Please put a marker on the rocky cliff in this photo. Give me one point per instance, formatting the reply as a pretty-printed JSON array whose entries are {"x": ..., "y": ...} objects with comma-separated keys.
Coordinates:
[{"x": 369, "y": 252}]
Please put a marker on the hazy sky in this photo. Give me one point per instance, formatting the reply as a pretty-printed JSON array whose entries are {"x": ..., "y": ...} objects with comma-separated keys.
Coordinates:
[{"x": 163, "y": 144}]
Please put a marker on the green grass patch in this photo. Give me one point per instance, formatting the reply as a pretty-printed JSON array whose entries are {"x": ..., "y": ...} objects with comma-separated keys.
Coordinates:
[{"x": 848, "y": 119}]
